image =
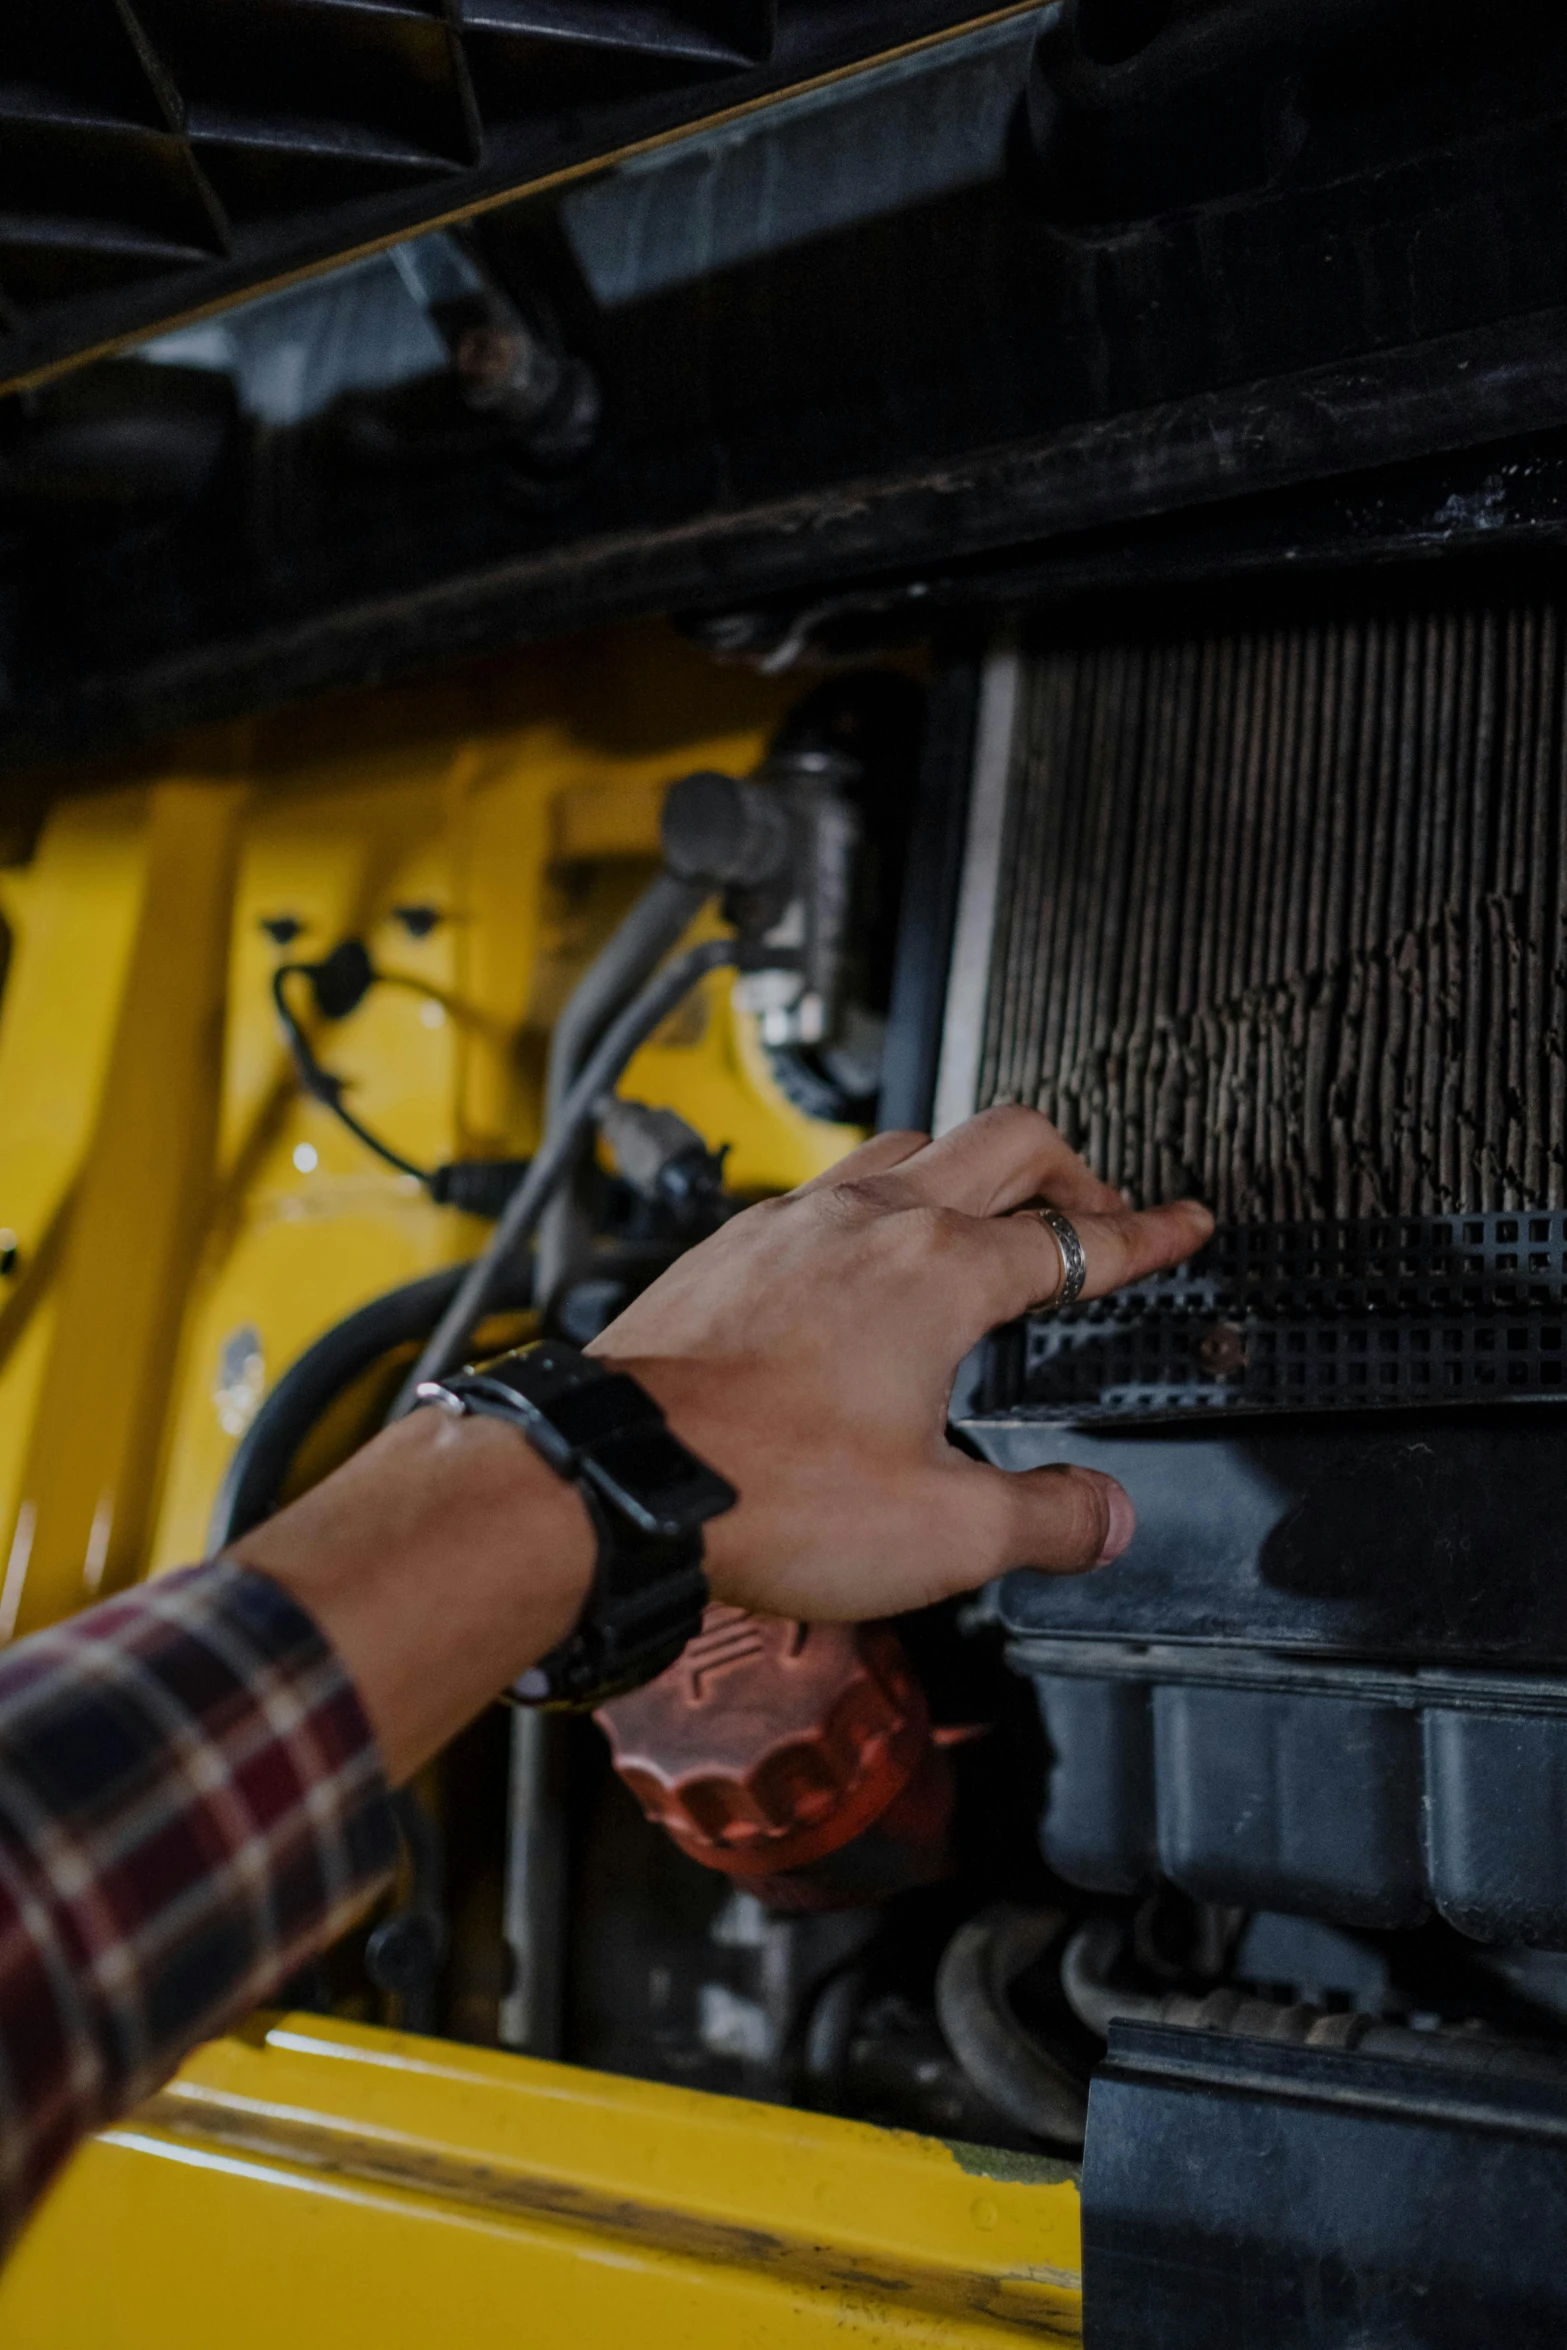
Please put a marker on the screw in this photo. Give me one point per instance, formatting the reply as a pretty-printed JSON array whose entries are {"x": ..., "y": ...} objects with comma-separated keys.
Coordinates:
[{"x": 1223, "y": 1350}]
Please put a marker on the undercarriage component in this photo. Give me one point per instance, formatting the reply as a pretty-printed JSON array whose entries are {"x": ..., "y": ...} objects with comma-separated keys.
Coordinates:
[
  {"x": 1089, "y": 1960},
  {"x": 1354, "y": 1791}
]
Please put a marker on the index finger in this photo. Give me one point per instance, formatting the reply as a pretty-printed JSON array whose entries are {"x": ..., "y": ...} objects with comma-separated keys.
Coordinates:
[{"x": 1000, "y": 1159}]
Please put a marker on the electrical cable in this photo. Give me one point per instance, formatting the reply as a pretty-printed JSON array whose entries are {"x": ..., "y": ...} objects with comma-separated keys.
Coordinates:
[
  {"x": 555, "y": 1155},
  {"x": 322, "y": 1085},
  {"x": 654, "y": 926},
  {"x": 258, "y": 1469},
  {"x": 478, "y": 1187}
]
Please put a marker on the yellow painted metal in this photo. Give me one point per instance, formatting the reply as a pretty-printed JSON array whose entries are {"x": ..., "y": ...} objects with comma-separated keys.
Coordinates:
[
  {"x": 518, "y": 799},
  {"x": 72, "y": 915},
  {"x": 521, "y": 803},
  {"x": 81, "y": 1525},
  {"x": 318, "y": 2183}
]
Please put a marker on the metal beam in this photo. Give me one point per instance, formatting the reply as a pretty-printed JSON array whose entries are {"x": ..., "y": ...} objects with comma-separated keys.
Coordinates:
[{"x": 136, "y": 1228}]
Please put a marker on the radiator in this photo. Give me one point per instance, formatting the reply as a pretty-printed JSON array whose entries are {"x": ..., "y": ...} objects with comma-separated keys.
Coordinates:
[
  {"x": 1289, "y": 928},
  {"x": 1281, "y": 921},
  {"x": 1269, "y": 907}
]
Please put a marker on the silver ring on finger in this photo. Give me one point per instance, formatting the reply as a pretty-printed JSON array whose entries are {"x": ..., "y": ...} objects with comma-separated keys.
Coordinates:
[{"x": 1074, "y": 1265}]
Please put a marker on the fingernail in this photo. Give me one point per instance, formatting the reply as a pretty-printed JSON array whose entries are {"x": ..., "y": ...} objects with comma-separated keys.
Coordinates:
[{"x": 1123, "y": 1523}]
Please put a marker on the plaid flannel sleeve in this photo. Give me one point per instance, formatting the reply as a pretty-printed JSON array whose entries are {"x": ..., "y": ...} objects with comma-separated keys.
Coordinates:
[{"x": 191, "y": 1805}]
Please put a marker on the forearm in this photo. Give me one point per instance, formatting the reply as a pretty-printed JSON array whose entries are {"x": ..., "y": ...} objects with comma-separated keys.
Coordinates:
[
  {"x": 194, "y": 1776},
  {"x": 440, "y": 1562}
]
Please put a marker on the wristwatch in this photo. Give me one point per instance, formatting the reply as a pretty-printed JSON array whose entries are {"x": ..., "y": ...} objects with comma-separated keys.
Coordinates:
[{"x": 648, "y": 1497}]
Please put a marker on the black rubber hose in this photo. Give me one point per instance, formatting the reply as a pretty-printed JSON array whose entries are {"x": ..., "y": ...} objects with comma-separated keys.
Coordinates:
[
  {"x": 1004, "y": 2061},
  {"x": 443, "y": 1308},
  {"x": 258, "y": 1472},
  {"x": 653, "y": 929}
]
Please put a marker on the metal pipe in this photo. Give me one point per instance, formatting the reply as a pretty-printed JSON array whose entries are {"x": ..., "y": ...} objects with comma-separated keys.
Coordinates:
[
  {"x": 1093, "y": 1951},
  {"x": 534, "y": 1914}
]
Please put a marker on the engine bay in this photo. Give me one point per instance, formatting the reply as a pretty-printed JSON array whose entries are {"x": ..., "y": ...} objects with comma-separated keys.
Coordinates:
[
  {"x": 624, "y": 607},
  {"x": 1287, "y": 1772}
]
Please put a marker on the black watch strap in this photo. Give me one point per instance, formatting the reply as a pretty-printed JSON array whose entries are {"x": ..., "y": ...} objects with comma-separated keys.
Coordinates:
[{"x": 649, "y": 1499}]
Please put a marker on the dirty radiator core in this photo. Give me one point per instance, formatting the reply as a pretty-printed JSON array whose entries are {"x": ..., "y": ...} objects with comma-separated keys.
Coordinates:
[
  {"x": 1279, "y": 921},
  {"x": 1289, "y": 923},
  {"x": 1282, "y": 925}
]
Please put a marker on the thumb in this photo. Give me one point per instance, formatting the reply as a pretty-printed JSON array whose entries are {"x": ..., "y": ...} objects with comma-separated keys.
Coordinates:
[{"x": 1066, "y": 1519}]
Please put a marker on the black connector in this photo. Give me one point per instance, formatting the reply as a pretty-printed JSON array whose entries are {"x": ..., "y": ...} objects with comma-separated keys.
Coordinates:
[
  {"x": 478, "y": 1187},
  {"x": 728, "y": 833}
]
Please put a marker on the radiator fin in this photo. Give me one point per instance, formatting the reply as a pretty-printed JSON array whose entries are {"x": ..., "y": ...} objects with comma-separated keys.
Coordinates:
[{"x": 1284, "y": 918}]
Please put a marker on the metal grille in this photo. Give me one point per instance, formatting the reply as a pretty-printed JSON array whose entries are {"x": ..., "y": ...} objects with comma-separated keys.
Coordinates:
[
  {"x": 1316, "y": 1317},
  {"x": 1287, "y": 925}
]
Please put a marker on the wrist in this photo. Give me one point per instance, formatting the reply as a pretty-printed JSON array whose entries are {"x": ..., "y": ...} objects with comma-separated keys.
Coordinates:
[
  {"x": 649, "y": 1497},
  {"x": 439, "y": 1562},
  {"x": 690, "y": 1394}
]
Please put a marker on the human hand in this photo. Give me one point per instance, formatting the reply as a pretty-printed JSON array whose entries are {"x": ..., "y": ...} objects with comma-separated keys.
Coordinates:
[{"x": 807, "y": 1352}]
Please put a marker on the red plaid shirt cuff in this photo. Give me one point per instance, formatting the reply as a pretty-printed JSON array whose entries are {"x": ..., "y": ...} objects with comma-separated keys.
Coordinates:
[{"x": 191, "y": 1805}]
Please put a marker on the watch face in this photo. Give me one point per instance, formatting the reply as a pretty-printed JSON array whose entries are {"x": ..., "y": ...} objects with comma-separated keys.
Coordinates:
[{"x": 658, "y": 1484}]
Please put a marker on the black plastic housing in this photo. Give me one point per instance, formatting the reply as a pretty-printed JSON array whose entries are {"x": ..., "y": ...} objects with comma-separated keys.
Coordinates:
[{"x": 1291, "y": 2198}]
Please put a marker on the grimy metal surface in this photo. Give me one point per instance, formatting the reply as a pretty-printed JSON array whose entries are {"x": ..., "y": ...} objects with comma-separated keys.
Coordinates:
[
  {"x": 939, "y": 396},
  {"x": 1285, "y": 928}
]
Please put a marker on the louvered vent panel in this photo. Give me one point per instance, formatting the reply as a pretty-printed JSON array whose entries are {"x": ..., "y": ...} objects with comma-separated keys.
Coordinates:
[{"x": 142, "y": 141}]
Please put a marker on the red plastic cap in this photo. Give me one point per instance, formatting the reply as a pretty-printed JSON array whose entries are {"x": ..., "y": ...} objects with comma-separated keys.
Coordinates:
[{"x": 769, "y": 1743}]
